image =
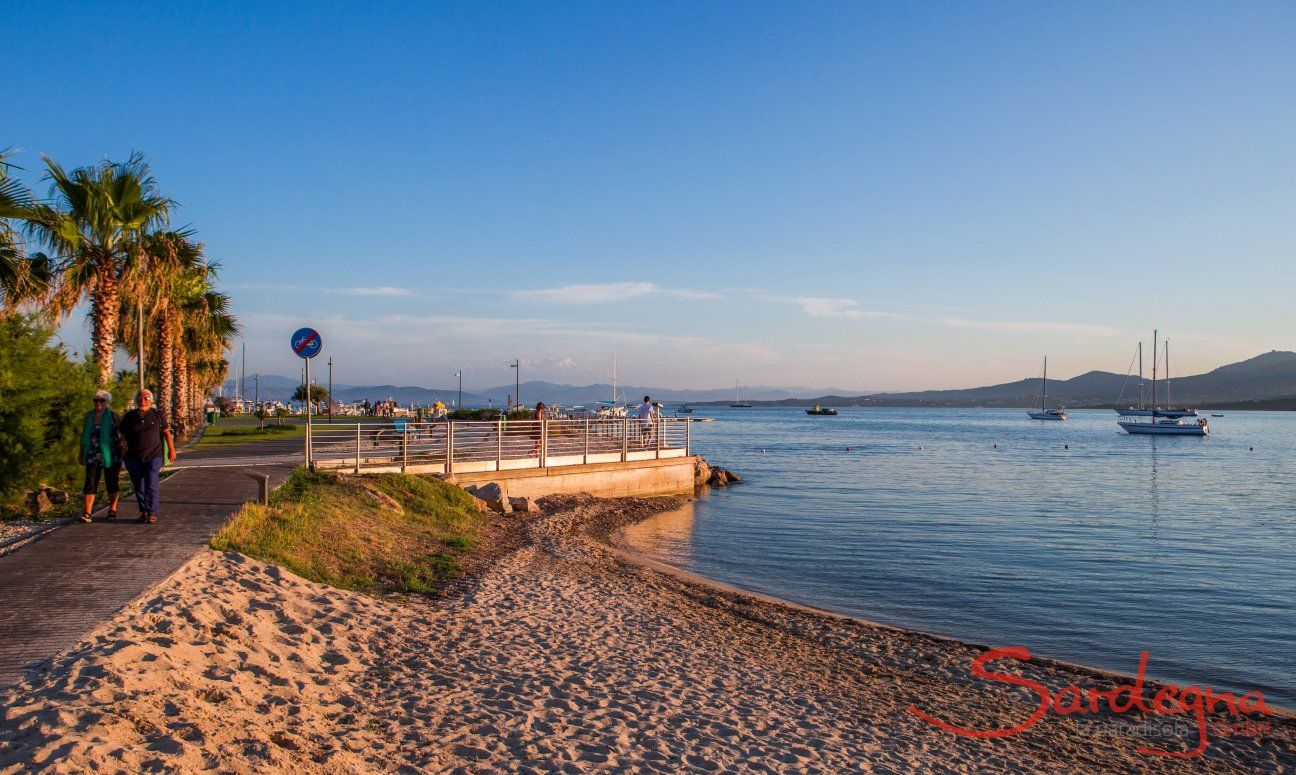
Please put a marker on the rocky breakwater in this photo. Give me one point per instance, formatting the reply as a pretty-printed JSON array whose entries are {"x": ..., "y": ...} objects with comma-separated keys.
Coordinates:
[
  {"x": 707, "y": 475},
  {"x": 493, "y": 497}
]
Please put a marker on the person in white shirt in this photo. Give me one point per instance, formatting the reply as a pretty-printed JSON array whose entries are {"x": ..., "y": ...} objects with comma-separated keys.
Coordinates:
[{"x": 646, "y": 420}]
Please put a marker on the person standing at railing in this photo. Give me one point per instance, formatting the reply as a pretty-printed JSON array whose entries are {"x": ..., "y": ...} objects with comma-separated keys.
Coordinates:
[
  {"x": 538, "y": 427},
  {"x": 646, "y": 419}
]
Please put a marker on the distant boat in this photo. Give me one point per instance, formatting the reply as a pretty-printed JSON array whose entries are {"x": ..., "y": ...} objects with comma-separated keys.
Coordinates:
[
  {"x": 684, "y": 409},
  {"x": 1216, "y": 414},
  {"x": 817, "y": 409},
  {"x": 1142, "y": 410},
  {"x": 738, "y": 403},
  {"x": 1047, "y": 414},
  {"x": 1165, "y": 421},
  {"x": 1166, "y": 426}
]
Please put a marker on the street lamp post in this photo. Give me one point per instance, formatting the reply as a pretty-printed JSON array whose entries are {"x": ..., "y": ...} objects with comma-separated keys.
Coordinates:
[
  {"x": 330, "y": 393},
  {"x": 459, "y": 374},
  {"x": 256, "y": 379},
  {"x": 517, "y": 377}
]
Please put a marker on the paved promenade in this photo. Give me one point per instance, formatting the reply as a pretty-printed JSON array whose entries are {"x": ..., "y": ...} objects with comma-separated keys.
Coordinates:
[{"x": 58, "y": 588}]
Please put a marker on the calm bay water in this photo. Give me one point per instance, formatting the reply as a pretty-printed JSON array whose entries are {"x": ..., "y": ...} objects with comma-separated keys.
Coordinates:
[{"x": 1182, "y": 546}]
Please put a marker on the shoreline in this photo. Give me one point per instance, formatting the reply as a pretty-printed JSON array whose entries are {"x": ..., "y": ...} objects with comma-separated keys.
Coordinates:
[
  {"x": 618, "y": 543},
  {"x": 561, "y": 651}
]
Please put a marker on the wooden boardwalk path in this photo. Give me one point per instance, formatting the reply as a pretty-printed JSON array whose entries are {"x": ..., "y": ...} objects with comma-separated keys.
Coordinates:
[{"x": 55, "y": 590}]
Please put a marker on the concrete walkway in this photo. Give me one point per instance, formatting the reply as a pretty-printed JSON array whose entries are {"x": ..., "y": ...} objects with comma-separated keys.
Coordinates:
[{"x": 55, "y": 590}]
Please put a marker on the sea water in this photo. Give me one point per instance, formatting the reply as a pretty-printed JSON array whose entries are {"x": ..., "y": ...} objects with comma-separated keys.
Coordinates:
[{"x": 1074, "y": 539}]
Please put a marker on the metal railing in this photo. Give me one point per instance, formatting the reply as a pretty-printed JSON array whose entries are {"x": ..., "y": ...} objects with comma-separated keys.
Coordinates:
[{"x": 498, "y": 445}]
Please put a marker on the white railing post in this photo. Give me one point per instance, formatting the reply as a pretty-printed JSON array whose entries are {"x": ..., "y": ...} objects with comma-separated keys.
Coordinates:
[
  {"x": 499, "y": 444},
  {"x": 544, "y": 443},
  {"x": 404, "y": 447},
  {"x": 587, "y": 426},
  {"x": 659, "y": 428},
  {"x": 625, "y": 438},
  {"x": 449, "y": 469},
  {"x": 688, "y": 436},
  {"x": 357, "y": 447}
]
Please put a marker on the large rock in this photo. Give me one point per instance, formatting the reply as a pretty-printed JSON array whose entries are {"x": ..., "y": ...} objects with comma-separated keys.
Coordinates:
[
  {"x": 718, "y": 477},
  {"x": 524, "y": 505},
  {"x": 701, "y": 472},
  {"x": 495, "y": 496},
  {"x": 384, "y": 501}
]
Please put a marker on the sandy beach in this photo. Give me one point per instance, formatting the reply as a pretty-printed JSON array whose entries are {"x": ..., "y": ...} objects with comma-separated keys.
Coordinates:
[{"x": 558, "y": 653}]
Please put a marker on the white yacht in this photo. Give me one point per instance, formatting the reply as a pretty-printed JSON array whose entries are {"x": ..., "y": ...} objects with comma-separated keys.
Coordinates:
[{"x": 1162, "y": 421}]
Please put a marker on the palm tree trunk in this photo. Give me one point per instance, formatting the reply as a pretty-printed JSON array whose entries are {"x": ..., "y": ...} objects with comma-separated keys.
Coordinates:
[
  {"x": 103, "y": 314},
  {"x": 165, "y": 362},
  {"x": 180, "y": 386}
]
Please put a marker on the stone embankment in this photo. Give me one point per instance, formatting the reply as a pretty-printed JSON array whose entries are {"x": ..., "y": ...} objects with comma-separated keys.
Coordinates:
[{"x": 493, "y": 496}]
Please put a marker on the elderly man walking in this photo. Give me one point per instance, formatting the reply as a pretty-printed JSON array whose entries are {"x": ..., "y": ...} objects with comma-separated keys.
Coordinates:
[{"x": 148, "y": 443}]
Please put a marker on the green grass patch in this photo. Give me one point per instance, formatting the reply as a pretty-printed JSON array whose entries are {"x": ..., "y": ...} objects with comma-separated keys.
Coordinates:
[
  {"x": 222, "y": 434},
  {"x": 389, "y": 533}
]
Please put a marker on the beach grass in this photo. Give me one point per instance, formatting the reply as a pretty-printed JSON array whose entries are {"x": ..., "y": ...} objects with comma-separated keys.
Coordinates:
[{"x": 384, "y": 534}]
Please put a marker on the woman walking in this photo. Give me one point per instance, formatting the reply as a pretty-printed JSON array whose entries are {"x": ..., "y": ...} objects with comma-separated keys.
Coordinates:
[{"x": 100, "y": 453}]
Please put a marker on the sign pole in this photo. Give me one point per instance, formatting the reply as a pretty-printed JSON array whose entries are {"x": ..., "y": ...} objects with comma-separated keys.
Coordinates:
[
  {"x": 306, "y": 344},
  {"x": 308, "y": 414}
]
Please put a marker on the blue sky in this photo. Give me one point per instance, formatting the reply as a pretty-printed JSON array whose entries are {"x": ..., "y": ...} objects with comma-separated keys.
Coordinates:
[{"x": 867, "y": 196}]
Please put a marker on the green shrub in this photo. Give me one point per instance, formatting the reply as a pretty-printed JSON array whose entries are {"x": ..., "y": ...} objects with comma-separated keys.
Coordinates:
[{"x": 43, "y": 399}]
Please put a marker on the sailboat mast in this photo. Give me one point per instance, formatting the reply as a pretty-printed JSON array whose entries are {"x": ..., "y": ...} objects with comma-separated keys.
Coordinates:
[
  {"x": 1167, "y": 370},
  {"x": 1154, "y": 372},
  {"x": 1044, "y": 384},
  {"x": 1140, "y": 406}
]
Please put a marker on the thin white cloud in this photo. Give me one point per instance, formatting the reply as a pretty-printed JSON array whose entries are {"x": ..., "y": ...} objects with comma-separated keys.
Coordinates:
[
  {"x": 826, "y": 307},
  {"x": 1039, "y": 326},
  {"x": 382, "y": 290},
  {"x": 604, "y": 293},
  {"x": 848, "y": 309}
]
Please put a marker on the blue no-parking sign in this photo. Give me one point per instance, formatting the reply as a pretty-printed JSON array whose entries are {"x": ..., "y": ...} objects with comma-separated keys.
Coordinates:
[{"x": 307, "y": 343}]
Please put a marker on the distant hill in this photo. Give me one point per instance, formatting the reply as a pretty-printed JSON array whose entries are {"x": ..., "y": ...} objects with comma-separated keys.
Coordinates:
[
  {"x": 571, "y": 395},
  {"x": 282, "y": 388},
  {"x": 1269, "y": 378}
]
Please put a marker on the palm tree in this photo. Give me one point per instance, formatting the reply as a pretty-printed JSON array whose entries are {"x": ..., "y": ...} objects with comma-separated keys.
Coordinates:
[
  {"x": 207, "y": 329},
  {"x": 95, "y": 218},
  {"x": 168, "y": 267},
  {"x": 22, "y": 278}
]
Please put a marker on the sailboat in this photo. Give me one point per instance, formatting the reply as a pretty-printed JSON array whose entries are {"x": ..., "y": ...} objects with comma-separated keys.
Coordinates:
[
  {"x": 616, "y": 408},
  {"x": 1142, "y": 410},
  {"x": 1163, "y": 422},
  {"x": 738, "y": 403},
  {"x": 1047, "y": 414}
]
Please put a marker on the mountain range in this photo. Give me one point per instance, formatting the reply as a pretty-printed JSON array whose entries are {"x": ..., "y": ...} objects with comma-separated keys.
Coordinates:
[
  {"x": 277, "y": 388},
  {"x": 1265, "y": 381}
]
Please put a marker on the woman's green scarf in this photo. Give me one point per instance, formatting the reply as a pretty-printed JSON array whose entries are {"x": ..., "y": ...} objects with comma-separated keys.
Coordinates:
[{"x": 105, "y": 436}]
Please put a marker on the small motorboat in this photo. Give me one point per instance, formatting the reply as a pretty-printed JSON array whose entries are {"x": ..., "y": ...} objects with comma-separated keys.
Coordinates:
[
  {"x": 1216, "y": 414},
  {"x": 825, "y": 410},
  {"x": 684, "y": 409}
]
